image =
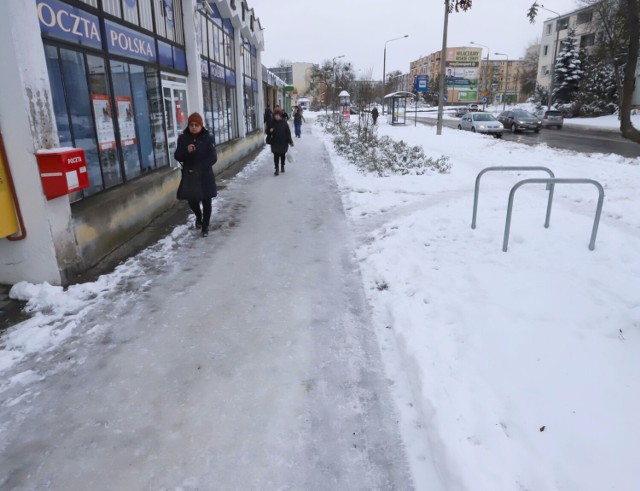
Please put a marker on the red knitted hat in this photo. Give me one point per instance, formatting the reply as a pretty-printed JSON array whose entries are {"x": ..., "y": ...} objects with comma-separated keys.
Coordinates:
[{"x": 195, "y": 118}]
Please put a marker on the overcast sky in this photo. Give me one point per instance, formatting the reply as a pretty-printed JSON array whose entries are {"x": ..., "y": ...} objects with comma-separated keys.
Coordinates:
[{"x": 313, "y": 31}]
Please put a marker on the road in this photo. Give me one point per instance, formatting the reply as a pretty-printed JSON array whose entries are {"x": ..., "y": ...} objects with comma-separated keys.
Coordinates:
[{"x": 578, "y": 139}]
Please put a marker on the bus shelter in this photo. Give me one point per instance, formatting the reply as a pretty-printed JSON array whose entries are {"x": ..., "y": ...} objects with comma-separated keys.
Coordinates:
[{"x": 396, "y": 103}]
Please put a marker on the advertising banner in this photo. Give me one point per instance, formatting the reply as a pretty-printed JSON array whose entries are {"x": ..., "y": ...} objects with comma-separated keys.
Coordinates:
[
  {"x": 104, "y": 121},
  {"x": 126, "y": 122}
]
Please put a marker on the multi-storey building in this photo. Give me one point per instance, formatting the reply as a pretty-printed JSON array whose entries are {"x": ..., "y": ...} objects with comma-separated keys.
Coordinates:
[{"x": 556, "y": 30}]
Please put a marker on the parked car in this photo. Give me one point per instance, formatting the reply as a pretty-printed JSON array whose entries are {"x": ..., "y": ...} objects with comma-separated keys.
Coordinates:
[
  {"x": 481, "y": 123},
  {"x": 472, "y": 107},
  {"x": 551, "y": 118},
  {"x": 520, "y": 120},
  {"x": 461, "y": 111}
]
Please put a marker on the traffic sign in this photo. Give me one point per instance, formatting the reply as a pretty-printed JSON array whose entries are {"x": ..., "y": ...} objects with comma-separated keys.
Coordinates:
[{"x": 485, "y": 100}]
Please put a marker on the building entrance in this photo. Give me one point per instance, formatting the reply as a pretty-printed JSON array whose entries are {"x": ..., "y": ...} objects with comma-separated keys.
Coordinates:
[{"x": 176, "y": 110}]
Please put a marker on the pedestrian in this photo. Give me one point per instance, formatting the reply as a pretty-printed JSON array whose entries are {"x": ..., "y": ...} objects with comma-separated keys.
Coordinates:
[
  {"x": 196, "y": 150},
  {"x": 374, "y": 114},
  {"x": 280, "y": 139},
  {"x": 298, "y": 118},
  {"x": 268, "y": 116}
]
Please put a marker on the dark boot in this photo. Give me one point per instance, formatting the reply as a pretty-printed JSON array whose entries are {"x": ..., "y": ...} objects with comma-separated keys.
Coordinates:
[
  {"x": 282, "y": 168},
  {"x": 205, "y": 231},
  {"x": 198, "y": 223},
  {"x": 276, "y": 172}
]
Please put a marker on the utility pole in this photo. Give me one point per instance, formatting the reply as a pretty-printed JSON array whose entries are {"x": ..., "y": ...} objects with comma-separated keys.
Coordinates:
[{"x": 443, "y": 55}]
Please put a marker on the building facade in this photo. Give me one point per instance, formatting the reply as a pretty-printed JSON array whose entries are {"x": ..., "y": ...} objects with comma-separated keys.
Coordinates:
[
  {"x": 555, "y": 31},
  {"x": 116, "y": 78}
]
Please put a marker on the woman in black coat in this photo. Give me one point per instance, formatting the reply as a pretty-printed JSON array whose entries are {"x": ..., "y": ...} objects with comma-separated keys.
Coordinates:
[
  {"x": 196, "y": 150},
  {"x": 280, "y": 139}
]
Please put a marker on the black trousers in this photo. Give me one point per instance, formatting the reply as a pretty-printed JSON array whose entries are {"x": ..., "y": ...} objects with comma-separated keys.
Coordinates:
[
  {"x": 279, "y": 157},
  {"x": 205, "y": 213}
]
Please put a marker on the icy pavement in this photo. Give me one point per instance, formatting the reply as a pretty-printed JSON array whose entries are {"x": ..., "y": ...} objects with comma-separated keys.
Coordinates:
[{"x": 241, "y": 361}]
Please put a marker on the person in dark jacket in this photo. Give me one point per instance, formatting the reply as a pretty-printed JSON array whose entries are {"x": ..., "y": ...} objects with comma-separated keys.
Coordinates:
[
  {"x": 374, "y": 114},
  {"x": 280, "y": 140},
  {"x": 268, "y": 116},
  {"x": 298, "y": 118},
  {"x": 196, "y": 150}
]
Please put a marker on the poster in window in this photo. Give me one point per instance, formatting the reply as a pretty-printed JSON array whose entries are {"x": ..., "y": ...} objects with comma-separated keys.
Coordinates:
[
  {"x": 126, "y": 122},
  {"x": 104, "y": 121}
]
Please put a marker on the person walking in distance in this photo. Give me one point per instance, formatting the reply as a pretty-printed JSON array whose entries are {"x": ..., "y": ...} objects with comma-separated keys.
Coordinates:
[
  {"x": 280, "y": 140},
  {"x": 374, "y": 114},
  {"x": 298, "y": 118},
  {"x": 196, "y": 150},
  {"x": 268, "y": 116}
]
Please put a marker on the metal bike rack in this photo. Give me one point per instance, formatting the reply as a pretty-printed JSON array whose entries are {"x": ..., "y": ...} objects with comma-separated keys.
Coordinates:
[
  {"x": 552, "y": 183},
  {"x": 477, "y": 188}
]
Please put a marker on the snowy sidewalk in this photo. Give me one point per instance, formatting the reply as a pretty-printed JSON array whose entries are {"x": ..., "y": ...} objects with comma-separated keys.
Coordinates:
[{"x": 248, "y": 363}]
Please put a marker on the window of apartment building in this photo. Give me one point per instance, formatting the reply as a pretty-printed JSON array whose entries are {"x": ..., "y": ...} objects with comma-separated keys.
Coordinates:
[
  {"x": 587, "y": 40},
  {"x": 545, "y": 50},
  {"x": 544, "y": 70},
  {"x": 549, "y": 27},
  {"x": 584, "y": 17},
  {"x": 218, "y": 67}
]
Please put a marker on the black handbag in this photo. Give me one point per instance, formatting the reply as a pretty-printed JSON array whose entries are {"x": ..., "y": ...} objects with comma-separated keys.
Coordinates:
[
  {"x": 190, "y": 187},
  {"x": 268, "y": 138}
]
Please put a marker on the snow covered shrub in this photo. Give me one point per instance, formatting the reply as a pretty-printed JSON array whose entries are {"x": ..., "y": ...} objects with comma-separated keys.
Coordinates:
[{"x": 380, "y": 155}]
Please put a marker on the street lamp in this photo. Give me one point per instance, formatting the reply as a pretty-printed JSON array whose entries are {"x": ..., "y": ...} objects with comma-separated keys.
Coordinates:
[
  {"x": 553, "y": 60},
  {"x": 333, "y": 91},
  {"x": 506, "y": 72},
  {"x": 384, "y": 64},
  {"x": 485, "y": 73}
]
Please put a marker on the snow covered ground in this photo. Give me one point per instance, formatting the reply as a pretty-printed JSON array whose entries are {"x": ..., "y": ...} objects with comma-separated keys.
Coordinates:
[{"x": 510, "y": 370}]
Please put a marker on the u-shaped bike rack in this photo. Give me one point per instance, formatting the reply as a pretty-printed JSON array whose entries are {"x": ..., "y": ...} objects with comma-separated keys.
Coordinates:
[
  {"x": 505, "y": 168},
  {"x": 551, "y": 182}
]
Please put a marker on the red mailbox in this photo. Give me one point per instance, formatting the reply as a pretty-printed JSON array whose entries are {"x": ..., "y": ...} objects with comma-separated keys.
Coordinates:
[{"x": 62, "y": 171}]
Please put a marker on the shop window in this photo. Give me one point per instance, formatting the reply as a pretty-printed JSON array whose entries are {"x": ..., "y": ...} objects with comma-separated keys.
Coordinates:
[
  {"x": 57, "y": 94},
  {"x": 125, "y": 118},
  {"x": 142, "y": 116},
  {"x": 103, "y": 116},
  {"x": 156, "y": 115},
  {"x": 83, "y": 131}
]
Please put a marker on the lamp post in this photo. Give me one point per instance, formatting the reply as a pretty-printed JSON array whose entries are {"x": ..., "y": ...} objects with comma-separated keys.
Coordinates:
[
  {"x": 333, "y": 91},
  {"x": 553, "y": 60},
  {"x": 506, "y": 72},
  {"x": 384, "y": 64},
  {"x": 485, "y": 72}
]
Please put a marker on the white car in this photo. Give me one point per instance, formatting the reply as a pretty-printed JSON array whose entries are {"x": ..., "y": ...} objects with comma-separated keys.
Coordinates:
[{"x": 481, "y": 123}]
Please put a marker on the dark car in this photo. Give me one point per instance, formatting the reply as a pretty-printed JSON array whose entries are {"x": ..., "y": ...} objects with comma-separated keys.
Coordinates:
[
  {"x": 519, "y": 120},
  {"x": 461, "y": 111},
  {"x": 551, "y": 118}
]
